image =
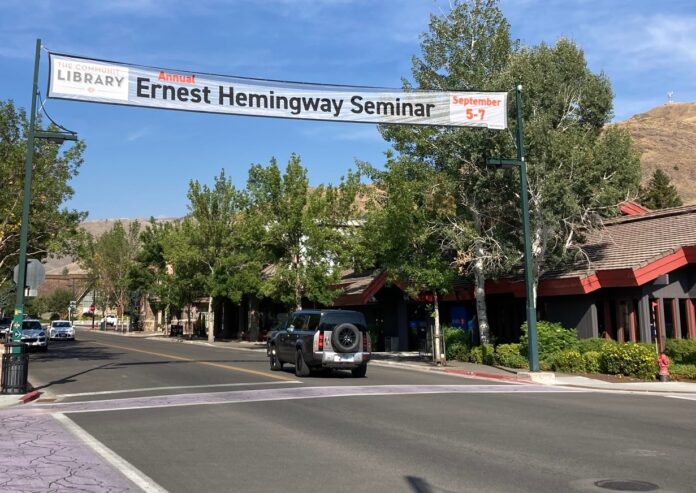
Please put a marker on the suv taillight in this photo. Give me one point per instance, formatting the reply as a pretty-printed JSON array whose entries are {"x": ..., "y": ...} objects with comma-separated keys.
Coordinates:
[
  {"x": 321, "y": 341},
  {"x": 364, "y": 337}
]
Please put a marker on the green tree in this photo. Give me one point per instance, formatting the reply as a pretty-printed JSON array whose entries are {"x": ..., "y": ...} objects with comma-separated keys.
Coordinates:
[
  {"x": 215, "y": 245},
  {"x": 577, "y": 168},
  {"x": 109, "y": 259},
  {"x": 469, "y": 47},
  {"x": 660, "y": 193},
  {"x": 59, "y": 301},
  {"x": 149, "y": 275},
  {"x": 52, "y": 228},
  {"x": 308, "y": 232},
  {"x": 402, "y": 230}
]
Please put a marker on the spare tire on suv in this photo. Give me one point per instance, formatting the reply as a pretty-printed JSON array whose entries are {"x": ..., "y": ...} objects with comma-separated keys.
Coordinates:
[{"x": 345, "y": 338}]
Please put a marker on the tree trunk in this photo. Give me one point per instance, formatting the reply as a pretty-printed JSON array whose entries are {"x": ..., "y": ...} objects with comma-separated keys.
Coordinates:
[
  {"x": 480, "y": 295},
  {"x": 209, "y": 320},
  {"x": 437, "y": 343},
  {"x": 253, "y": 318}
]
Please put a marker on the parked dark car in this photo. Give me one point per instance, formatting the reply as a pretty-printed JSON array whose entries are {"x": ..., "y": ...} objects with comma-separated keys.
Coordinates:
[
  {"x": 5, "y": 323},
  {"x": 315, "y": 339}
]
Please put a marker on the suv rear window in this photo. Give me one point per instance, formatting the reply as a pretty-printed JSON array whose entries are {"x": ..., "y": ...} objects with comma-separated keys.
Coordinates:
[{"x": 332, "y": 319}]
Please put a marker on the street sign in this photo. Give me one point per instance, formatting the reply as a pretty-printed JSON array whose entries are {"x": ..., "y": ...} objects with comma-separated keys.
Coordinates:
[
  {"x": 92, "y": 308},
  {"x": 36, "y": 274}
]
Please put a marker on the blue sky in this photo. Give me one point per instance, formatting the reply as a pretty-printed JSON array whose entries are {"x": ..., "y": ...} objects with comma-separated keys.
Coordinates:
[{"x": 139, "y": 161}]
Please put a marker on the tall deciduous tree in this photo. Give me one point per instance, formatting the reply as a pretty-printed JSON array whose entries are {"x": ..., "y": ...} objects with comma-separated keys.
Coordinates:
[
  {"x": 109, "y": 259},
  {"x": 577, "y": 168},
  {"x": 307, "y": 231},
  {"x": 52, "y": 227},
  {"x": 468, "y": 48},
  {"x": 403, "y": 230},
  {"x": 215, "y": 245},
  {"x": 660, "y": 193}
]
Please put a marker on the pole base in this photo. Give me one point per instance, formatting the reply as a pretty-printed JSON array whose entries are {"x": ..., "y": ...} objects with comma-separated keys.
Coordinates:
[{"x": 15, "y": 369}]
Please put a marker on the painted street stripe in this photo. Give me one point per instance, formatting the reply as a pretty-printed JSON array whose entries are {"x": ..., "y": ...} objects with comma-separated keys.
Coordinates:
[
  {"x": 178, "y": 387},
  {"x": 275, "y": 376},
  {"x": 291, "y": 393},
  {"x": 116, "y": 461},
  {"x": 684, "y": 397}
]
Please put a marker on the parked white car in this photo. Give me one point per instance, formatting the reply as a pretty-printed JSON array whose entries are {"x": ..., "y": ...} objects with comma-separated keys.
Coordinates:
[
  {"x": 34, "y": 335},
  {"x": 109, "y": 320},
  {"x": 61, "y": 329}
]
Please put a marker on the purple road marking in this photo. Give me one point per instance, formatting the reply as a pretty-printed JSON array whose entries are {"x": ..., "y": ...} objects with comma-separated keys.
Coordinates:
[
  {"x": 38, "y": 455},
  {"x": 289, "y": 394}
]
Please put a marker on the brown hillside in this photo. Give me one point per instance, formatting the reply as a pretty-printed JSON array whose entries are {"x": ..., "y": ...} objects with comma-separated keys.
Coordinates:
[
  {"x": 666, "y": 139},
  {"x": 61, "y": 265}
]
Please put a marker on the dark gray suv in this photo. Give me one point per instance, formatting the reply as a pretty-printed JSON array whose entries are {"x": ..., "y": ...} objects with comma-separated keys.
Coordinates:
[{"x": 315, "y": 339}]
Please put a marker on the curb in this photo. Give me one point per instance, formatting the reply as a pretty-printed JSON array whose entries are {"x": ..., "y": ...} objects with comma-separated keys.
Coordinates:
[
  {"x": 454, "y": 371},
  {"x": 494, "y": 376},
  {"x": 31, "y": 396}
]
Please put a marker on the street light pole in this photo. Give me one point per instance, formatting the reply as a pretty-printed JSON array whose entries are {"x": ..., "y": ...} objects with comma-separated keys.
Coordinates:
[
  {"x": 533, "y": 348},
  {"x": 24, "y": 228},
  {"x": 528, "y": 280},
  {"x": 15, "y": 362}
]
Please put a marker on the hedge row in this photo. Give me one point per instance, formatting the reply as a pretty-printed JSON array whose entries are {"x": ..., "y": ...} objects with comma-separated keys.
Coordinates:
[{"x": 561, "y": 350}]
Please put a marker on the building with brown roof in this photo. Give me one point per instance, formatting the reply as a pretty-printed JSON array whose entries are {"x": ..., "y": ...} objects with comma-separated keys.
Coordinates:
[{"x": 636, "y": 283}]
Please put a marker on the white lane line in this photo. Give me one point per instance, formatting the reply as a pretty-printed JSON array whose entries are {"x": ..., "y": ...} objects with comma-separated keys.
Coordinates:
[
  {"x": 290, "y": 393},
  {"x": 179, "y": 387},
  {"x": 119, "y": 463},
  {"x": 684, "y": 397}
]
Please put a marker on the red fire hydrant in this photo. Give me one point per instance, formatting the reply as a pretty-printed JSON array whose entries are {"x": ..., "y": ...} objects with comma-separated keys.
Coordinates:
[{"x": 663, "y": 363}]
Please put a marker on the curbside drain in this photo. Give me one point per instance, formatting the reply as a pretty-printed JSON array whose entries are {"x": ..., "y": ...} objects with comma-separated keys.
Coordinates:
[{"x": 626, "y": 485}]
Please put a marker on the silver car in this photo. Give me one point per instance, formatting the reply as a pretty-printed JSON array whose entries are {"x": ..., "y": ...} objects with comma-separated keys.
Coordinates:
[
  {"x": 61, "y": 330},
  {"x": 34, "y": 336}
]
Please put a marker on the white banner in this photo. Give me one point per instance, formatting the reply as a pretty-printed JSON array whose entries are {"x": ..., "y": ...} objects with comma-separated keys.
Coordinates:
[{"x": 99, "y": 81}]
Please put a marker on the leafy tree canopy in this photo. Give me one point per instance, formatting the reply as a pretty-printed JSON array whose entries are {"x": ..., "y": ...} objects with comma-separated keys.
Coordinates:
[{"x": 52, "y": 227}]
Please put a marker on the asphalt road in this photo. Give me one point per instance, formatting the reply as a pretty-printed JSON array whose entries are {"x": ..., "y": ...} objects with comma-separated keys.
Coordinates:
[{"x": 195, "y": 418}]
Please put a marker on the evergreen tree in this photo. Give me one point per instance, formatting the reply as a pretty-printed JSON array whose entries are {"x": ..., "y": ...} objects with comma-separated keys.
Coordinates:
[{"x": 660, "y": 193}]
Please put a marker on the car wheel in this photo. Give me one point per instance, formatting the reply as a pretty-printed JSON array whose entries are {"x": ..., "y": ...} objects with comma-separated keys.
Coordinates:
[
  {"x": 345, "y": 338},
  {"x": 360, "y": 371},
  {"x": 301, "y": 368},
  {"x": 276, "y": 364}
]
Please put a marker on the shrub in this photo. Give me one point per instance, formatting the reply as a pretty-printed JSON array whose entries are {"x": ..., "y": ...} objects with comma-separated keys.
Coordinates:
[
  {"x": 683, "y": 372},
  {"x": 594, "y": 344},
  {"x": 457, "y": 343},
  {"x": 457, "y": 351},
  {"x": 509, "y": 355},
  {"x": 551, "y": 337},
  {"x": 593, "y": 361},
  {"x": 681, "y": 351},
  {"x": 630, "y": 359},
  {"x": 568, "y": 361},
  {"x": 483, "y": 355}
]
